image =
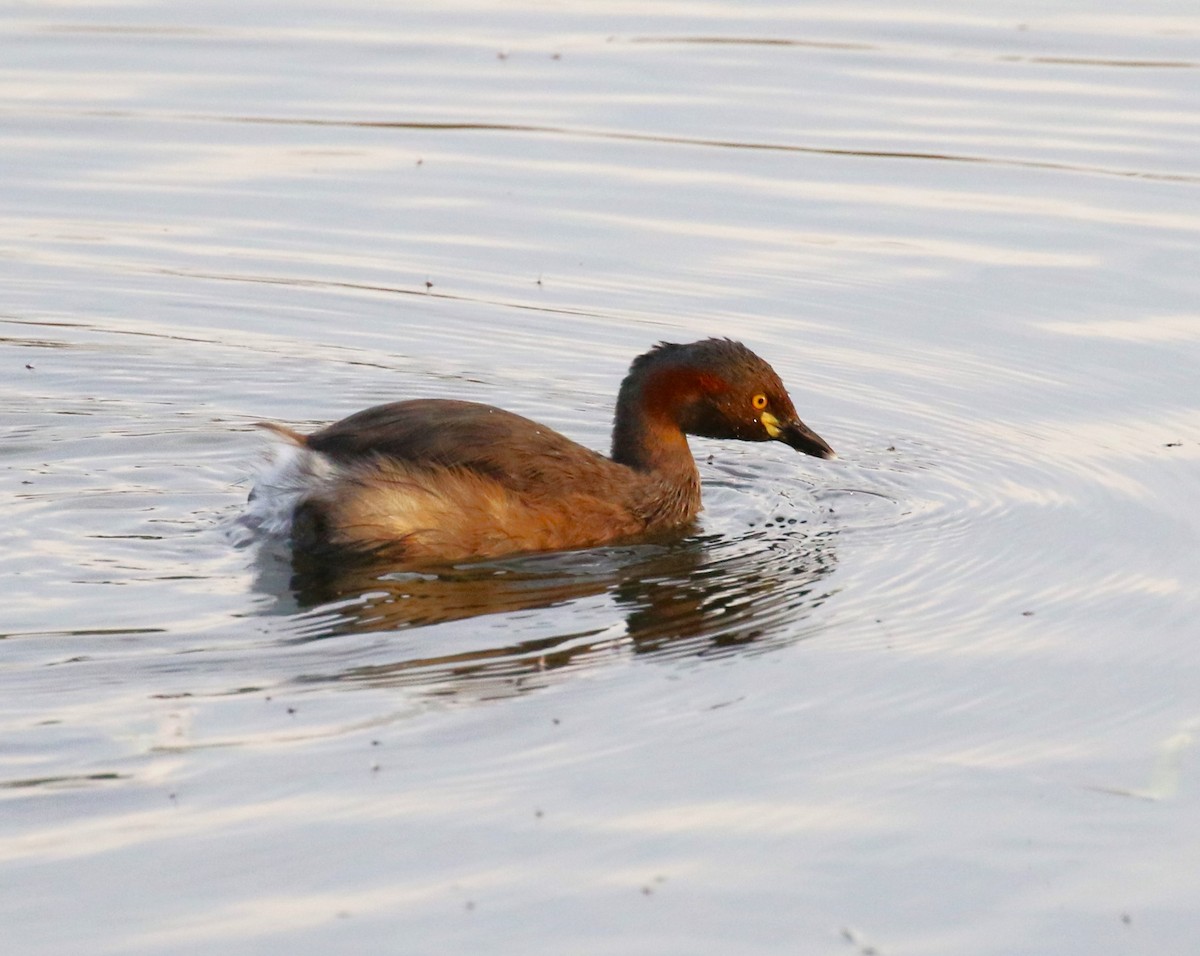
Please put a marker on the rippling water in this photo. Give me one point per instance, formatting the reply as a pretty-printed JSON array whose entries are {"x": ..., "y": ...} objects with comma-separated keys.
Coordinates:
[{"x": 938, "y": 696}]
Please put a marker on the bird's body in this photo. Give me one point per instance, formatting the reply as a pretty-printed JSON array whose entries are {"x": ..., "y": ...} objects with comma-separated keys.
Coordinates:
[{"x": 439, "y": 480}]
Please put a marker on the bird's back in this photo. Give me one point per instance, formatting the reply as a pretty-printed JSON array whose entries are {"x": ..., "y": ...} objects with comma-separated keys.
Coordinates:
[{"x": 443, "y": 480}]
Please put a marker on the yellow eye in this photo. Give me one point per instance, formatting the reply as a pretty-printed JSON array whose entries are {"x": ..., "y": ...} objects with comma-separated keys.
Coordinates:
[{"x": 759, "y": 401}]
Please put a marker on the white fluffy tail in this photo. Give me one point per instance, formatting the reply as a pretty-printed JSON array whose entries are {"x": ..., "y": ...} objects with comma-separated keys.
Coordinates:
[{"x": 290, "y": 473}]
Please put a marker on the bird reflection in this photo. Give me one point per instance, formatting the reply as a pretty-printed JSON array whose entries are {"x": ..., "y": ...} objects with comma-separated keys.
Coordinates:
[{"x": 693, "y": 597}]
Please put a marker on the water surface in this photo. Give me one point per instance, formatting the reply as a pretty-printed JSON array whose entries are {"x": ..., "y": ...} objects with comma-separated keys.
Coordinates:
[{"x": 938, "y": 696}]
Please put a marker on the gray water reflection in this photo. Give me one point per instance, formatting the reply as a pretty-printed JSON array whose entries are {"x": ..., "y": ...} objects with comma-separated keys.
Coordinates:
[
  {"x": 968, "y": 235},
  {"x": 700, "y": 597},
  {"x": 569, "y": 133}
]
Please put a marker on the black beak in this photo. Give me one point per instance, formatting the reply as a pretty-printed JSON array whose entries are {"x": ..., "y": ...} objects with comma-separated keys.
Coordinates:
[{"x": 803, "y": 438}]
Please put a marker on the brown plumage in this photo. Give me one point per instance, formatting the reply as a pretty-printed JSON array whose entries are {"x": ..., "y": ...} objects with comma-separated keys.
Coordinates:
[{"x": 442, "y": 480}]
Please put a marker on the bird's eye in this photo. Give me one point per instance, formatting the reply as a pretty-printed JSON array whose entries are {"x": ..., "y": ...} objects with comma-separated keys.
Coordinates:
[{"x": 759, "y": 401}]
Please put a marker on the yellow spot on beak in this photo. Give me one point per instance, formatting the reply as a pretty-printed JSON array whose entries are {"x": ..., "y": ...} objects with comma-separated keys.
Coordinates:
[{"x": 771, "y": 424}]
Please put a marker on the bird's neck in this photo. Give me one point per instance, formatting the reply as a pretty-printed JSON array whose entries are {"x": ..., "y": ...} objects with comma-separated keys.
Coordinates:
[{"x": 648, "y": 429}]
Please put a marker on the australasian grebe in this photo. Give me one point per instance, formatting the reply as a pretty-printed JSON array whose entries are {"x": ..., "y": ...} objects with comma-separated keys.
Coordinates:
[{"x": 438, "y": 480}]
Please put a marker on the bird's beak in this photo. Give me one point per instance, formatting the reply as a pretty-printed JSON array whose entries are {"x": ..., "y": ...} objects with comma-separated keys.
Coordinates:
[{"x": 795, "y": 433}]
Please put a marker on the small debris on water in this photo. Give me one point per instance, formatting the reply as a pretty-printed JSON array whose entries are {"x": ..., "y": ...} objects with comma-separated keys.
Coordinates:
[
  {"x": 648, "y": 890},
  {"x": 854, "y": 939}
]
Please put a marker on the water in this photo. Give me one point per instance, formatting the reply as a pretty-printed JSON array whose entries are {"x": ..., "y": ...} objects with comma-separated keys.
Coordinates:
[{"x": 938, "y": 696}]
